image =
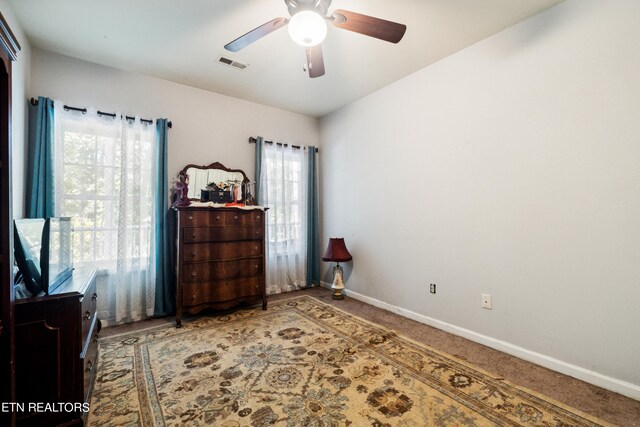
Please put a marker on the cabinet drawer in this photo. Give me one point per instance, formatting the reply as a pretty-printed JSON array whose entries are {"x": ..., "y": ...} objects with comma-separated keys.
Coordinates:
[
  {"x": 222, "y": 234},
  {"x": 88, "y": 313},
  {"x": 89, "y": 361},
  {"x": 221, "y": 270},
  {"x": 202, "y": 293},
  {"x": 220, "y": 218},
  {"x": 221, "y": 251}
]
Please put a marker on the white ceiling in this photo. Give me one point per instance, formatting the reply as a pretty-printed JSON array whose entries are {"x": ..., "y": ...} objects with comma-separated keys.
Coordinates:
[{"x": 181, "y": 40}]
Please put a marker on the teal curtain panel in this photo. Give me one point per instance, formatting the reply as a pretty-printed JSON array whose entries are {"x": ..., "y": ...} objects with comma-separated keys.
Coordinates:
[
  {"x": 313, "y": 238},
  {"x": 40, "y": 179},
  {"x": 165, "y": 295},
  {"x": 258, "y": 168}
]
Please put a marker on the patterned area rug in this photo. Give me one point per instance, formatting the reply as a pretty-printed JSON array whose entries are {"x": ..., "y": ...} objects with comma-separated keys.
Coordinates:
[{"x": 301, "y": 363}]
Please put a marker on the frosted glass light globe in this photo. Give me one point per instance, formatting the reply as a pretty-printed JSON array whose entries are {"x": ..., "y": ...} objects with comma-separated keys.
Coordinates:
[{"x": 307, "y": 28}]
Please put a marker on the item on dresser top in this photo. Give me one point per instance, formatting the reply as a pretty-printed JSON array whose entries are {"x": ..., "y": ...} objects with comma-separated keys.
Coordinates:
[
  {"x": 223, "y": 205},
  {"x": 43, "y": 252},
  {"x": 236, "y": 189},
  {"x": 249, "y": 189},
  {"x": 181, "y": 196},
  {"x": 217, "y": 193}
]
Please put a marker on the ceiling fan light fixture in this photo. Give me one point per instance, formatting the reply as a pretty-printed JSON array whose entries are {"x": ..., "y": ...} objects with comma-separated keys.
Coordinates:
[{"x": 307, "y": 28}]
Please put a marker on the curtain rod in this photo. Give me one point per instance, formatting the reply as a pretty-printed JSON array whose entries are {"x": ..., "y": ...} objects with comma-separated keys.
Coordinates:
[
  {"x": 100, "y": 113},
  {"x": 252, "y": 140}
]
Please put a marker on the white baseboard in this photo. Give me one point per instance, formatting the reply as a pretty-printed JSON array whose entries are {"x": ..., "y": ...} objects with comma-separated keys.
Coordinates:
[{"x": 592, "y": 377}]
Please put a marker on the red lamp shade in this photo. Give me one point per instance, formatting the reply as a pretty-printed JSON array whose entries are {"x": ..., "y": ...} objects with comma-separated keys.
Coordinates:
[{"x": 337, "y": 251}]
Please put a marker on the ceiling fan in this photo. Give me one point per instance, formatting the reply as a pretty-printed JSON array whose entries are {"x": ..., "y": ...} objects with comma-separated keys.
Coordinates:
[{"x": 308, "y": 28}]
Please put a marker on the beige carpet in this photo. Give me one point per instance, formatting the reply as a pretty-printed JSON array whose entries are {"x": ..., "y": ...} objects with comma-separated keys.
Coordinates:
[{"x": 302, "y": 362}]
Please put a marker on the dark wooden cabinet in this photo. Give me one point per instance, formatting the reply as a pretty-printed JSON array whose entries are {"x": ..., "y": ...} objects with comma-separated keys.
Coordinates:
[
  {"x": 220, "y": 258},
  {"x": 56, "y": 343},
  {"x": 9, "y": 48}
]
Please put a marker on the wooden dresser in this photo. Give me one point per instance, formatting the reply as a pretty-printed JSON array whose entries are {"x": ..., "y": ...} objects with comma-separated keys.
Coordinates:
[
  {"x": 56, "y": 342},
  {"x": 220, "y": 258}
]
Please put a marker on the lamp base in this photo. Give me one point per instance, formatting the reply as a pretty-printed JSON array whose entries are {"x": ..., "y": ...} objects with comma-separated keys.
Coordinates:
[
  {"x": 338, "y": 283},
  {"x": 337, "y": 295}
]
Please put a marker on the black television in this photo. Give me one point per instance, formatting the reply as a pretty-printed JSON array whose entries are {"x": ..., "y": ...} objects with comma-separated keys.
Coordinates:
[{"x": 42, "y": 250}]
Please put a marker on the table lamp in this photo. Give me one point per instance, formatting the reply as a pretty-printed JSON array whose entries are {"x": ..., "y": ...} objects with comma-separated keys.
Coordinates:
[{"x": 337, "y": 252}]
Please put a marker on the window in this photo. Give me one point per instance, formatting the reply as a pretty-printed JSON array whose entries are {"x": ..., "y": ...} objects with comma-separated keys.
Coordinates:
[
  {"x": 283, "y": 187},
  {"x": 284, "y": 194},
  {"x": 102, "y": 182}
]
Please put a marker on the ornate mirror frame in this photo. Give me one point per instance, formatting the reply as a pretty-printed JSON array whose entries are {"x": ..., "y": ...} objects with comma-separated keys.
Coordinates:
[{"x": 214, "y": 166}]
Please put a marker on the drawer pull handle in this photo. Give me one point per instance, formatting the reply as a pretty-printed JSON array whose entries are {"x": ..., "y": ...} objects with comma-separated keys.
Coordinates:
[
  {"x": 218, "y": 217},
  {"x": 193, "y": 236},
  {"x": 89, "y": 366},
  {"x": 193, "y": 274},
  {"x": 258, "y": 217},
  {"x": 256, "y": 248},
  {"x": 94, "y": 297},
  {"x": 193, "y": 253},
  {"x": 235, "y": 217},
  {"x": 190, "y": 217},
  {"x": 87, "y": 315},
  {"x": 193, "y": 297},
  {"x": 255, "y": 266}
]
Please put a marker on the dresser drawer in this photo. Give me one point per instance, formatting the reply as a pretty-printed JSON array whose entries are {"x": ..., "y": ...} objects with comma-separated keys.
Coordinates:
[
  {"x": 221, "y": 251},
  {"x": 221, "y": 270},
  {"x": 202, "y": 293},
  {"x": 220, "y": 218},
  {"x": 88, "y": 311},
  {"x": 222, "y": 234}
]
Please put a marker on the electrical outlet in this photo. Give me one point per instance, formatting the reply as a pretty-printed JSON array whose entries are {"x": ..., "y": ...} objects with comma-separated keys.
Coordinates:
[
  {"x": 486, "y": 301},
  {"x": 432, "y": 288}
]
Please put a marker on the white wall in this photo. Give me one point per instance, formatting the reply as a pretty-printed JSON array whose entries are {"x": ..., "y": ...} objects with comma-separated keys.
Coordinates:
[
  {"x": 207, "y": 126},
  {"x": 511, "y": 168},
  {"x": 20, "y": 74}
]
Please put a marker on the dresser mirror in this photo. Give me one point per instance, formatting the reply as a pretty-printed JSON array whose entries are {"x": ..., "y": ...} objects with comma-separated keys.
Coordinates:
[{"x": 201, "y": 176}]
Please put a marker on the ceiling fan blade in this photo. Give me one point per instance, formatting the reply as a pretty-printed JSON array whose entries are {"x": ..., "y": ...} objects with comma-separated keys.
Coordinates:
[
  {"x": 369, "y": 26},
  {"x": 315, "y": 63},
  {"x": 256, "y": 33}
]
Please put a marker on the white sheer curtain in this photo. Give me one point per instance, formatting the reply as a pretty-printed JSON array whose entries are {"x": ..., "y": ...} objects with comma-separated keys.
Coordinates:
[
  {"x": 104, "y": 180},
  {"x": 283, "y": 184}
]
